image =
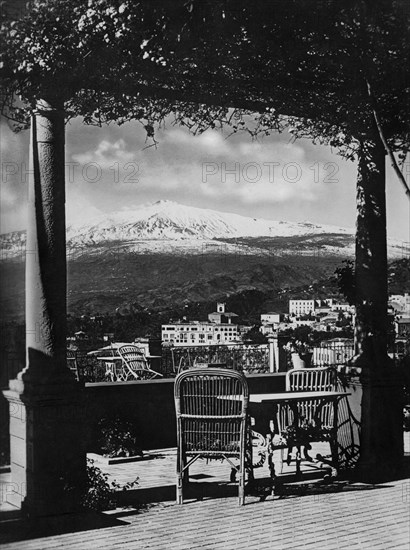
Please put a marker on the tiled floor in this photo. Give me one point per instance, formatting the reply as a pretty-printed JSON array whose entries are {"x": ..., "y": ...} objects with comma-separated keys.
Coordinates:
[{"x": 306, "y": 515}]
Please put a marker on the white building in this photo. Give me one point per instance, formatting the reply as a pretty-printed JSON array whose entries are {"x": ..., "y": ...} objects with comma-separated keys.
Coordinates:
[
  {"x": 271, "y": 318},
  {"x": 316, "y": 307},
  {"x": 197, "y": 333},
  {"x": 220, "y": 315},
  {"x": 302, "y": 307},
  {"x": 343, "y": 307},
  {"x": 270, "y": 322}
]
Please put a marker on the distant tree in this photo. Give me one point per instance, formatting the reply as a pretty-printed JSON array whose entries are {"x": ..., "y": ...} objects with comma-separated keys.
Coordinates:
[
  {"x": 346, "y": 281},
  {"x": 302, "y": 333},
  {"x": 255, "y": 336}
]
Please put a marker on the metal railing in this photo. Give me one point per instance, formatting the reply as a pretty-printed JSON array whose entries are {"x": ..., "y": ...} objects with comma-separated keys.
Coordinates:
[
  {"x": 248, "y": 358},
  {"x": 333, "y": 354}
]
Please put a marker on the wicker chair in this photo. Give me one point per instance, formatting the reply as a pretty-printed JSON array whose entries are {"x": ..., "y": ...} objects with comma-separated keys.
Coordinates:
[
  {"x": 342, "y": 434},
  {"x": 211, "y": 411},
  {"x": 311, "y": 414},
  {"x": 134, "y": 364},
  {"x": 320, "y": 379}
]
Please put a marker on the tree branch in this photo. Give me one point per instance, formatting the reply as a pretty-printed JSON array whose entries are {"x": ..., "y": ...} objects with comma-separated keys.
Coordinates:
[{"x": 387, "y": 148}]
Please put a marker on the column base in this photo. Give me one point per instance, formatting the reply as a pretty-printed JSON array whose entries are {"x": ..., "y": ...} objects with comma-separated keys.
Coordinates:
[
  {"x": 382, "y": 448},
  {"x": 47, "y": 447}
]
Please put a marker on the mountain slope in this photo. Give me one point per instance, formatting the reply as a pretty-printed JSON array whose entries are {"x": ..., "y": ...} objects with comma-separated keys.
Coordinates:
[
  {"x": 169, "y": 221},
  {"x": 166, "y": 226},
  {"x": 166, "y": 253}
]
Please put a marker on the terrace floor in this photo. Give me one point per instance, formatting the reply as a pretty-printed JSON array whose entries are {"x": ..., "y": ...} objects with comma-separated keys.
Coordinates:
[{"x": 306, "y": 514}]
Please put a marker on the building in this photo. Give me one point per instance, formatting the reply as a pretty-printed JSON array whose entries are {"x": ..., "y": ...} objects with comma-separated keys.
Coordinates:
[
  {"x": 271, "y": 318},
  {"x": 317, "y": 307},
  {"x": 322, "y": 310},
  {"x": 197, "y": 333},
  {"x": 219, "y": 329},
  {"x": 344, "y": 307},
  {"x": 302, "y": 307},
  {"x": 270, "y": 322},
  {"x": 220, "y": 315}
]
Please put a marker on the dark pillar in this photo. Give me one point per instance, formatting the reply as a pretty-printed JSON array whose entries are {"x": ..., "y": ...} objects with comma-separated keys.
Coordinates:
[
  {"x": 47, "y": 456},
  {"x": 382, "y": 436}
]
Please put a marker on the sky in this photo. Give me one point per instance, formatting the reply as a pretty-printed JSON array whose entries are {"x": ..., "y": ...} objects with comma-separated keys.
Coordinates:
[{"x": 114, "y": 168}]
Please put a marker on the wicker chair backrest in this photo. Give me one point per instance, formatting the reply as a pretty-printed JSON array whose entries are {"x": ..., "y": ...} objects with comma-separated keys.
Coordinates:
[
  {"x": 134, "y": 358},
  {"x": 211, "y": 406},
  {"x": 320, "y": 379}
]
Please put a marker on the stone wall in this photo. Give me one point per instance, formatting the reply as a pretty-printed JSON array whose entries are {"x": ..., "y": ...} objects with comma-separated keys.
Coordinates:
[{"x": 149, "y": 405}]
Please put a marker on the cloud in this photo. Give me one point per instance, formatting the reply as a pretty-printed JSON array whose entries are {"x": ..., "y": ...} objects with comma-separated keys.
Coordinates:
[
  {"x": 106, "y": 154},
  {"x": 79, "y": 209},
  {"x": 210, "y": 142},
  {"x": 209, "y": 170},
  {"x": 110, "y": 168}
]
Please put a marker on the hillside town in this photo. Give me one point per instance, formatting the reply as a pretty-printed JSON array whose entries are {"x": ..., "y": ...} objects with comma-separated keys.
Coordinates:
[{"x": 308, "y": 327}]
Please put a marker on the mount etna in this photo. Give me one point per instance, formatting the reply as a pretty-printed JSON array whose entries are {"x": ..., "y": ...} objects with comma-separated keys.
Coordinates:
[{"x": 163, "y": 254}]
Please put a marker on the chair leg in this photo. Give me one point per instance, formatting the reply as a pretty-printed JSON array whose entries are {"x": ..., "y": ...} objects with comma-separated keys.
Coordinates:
[
  {"x": 179, "y": 489},
  {"x": 306, "y": 450},
  {"x": 241, "y": 473},
  {"x": 248, "y": 455},
  {"x": 180, "y": 474},
  {"x": 241, "y": 488},
  {"x": 298, "y": 460},
  {"x": 185, "y": 476},
  {"x": 289, "y": 457},
  {"x": 334, "y": 452}
]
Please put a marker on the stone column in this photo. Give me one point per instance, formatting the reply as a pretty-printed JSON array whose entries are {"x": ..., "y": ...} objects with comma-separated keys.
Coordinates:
[
  {"x": 278, "y": 354},
  {"x": 47, "y": 451},
  {"x": 382, "y": 434},
  {"x": 273, "y": 361}
]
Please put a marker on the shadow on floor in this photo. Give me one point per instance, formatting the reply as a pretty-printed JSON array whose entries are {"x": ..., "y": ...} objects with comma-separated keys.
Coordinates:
[
  {"x": 140, "y": 501},
  {"x": 285, "y": 486},
  {"x": 25, "y": 529},
  {"x": 167, "y": 493}
]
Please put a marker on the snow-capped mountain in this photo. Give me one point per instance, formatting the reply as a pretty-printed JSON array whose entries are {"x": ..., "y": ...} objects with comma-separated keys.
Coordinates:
[
  {"x": 170, "y": 220},
  {"x": 167, "y": 220},
  {"x": 168, "y": 226},
  {"x": 161, "y": 254}
]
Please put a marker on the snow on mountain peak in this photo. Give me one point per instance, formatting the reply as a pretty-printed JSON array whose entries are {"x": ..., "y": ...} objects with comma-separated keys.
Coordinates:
[
  {"x": 168, "y": 220},
  {"x": 166, "y": 226}
]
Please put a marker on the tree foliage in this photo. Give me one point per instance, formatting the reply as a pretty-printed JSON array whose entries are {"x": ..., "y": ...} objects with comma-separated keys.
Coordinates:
[
  {"x": 346, "y": 281},
  {"x": 304, "y": 65}
]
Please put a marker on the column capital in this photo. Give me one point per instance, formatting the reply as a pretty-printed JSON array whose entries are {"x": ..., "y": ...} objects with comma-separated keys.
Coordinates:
[{"x": 35, "y": 385}]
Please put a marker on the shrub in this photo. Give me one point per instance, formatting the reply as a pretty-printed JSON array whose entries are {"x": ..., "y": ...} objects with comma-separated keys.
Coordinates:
[
  {"x": 99, "y": 493},
  {"x": 118, "y": 438}
]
